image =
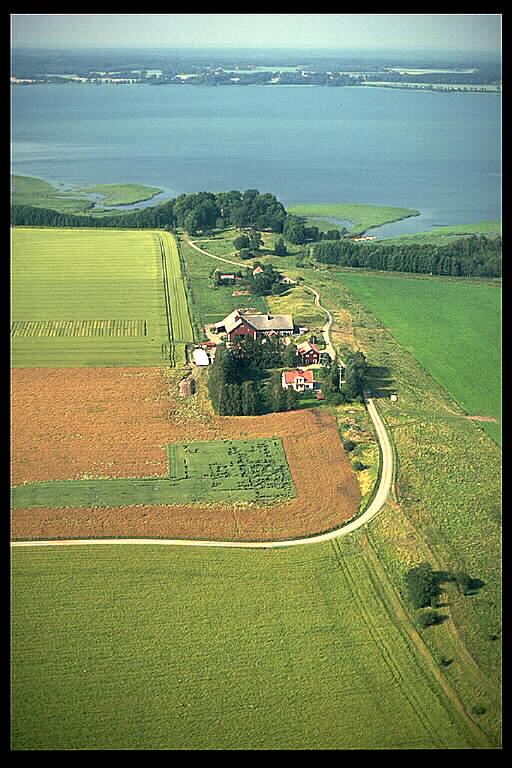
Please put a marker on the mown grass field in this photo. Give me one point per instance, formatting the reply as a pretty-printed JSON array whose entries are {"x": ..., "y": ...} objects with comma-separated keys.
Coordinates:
[
  {"x": 446, "y": 235},
  {"x": 194, "y": 648},
  {"x": 452, "y": 328},
  {"x": 96, "y": 297}
]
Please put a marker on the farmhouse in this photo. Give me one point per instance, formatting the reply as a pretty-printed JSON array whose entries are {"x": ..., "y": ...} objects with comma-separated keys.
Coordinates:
[
  {"x": 255, "y": 324},
  {"x": 227, "y": 278},
  {"x": 298, "y": 380}
]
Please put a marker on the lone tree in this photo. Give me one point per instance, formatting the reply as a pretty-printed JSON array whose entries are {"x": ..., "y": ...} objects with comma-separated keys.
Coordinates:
[
  {"x": 428, "y": 618},
  {"x": 280, "y": 248},
  {"x": 242, "y": 241},
  {"x": 421, "y": 585}
]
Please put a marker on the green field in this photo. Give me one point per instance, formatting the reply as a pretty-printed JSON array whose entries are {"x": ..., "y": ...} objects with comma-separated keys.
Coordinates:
[
  {"x": 96, "y": 298},
  {"x": 451, "y": 327},
  {"x": 361, "y": 217},
  {"x": 211, "y": 471},
  {"x": 198, "y": 648}
]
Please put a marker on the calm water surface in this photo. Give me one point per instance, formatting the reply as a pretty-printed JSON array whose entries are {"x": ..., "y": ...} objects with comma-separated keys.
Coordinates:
[{"x": 436, "y": 152}]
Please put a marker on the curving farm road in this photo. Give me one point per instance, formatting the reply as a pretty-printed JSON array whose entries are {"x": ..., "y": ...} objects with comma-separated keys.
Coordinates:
[
  {"x": 375, "y": 506},
  {"x": 384, "y": 488}
]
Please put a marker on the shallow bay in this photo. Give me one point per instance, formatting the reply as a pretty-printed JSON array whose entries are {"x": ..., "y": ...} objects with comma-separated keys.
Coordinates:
[{"x": 435, "y": 152}]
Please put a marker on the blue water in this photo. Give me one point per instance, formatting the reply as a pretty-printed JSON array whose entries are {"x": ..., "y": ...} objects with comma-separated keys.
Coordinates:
[{"x": 435, "y": 152}]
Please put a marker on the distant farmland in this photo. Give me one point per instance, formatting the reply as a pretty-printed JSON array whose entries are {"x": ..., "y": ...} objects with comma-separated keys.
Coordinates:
[{"x": 96, "y": 298}]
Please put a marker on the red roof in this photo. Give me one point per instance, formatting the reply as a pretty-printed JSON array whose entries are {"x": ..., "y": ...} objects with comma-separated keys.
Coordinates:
[{"x": 291, "y": 376}]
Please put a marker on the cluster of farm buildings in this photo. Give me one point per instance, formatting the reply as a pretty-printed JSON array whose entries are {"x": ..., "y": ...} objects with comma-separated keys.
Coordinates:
[{"x": 248, "y": 322}]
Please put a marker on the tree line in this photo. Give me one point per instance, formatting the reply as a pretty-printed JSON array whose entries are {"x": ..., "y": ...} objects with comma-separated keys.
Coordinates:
[
  {"x": 473, "y": 256},
  {"x": 195, "y": 212}
]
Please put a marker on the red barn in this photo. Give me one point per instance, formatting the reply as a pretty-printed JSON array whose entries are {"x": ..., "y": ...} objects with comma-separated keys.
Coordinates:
[
  {"x": 308, "y": 353},
  {"x": 255, "y": 324}
]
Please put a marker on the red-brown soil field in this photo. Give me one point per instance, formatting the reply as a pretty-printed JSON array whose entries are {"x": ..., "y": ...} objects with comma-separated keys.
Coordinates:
[{"x": 68, "y": 423}]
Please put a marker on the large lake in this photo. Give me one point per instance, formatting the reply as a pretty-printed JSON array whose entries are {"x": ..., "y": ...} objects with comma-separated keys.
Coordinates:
[{"x": 436, "y": 152}]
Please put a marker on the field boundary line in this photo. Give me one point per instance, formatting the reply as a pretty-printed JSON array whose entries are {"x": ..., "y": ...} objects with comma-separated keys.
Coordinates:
[{"x": 165, "y": 283}]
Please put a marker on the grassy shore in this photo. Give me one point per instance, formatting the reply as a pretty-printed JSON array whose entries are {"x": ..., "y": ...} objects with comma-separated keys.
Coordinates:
[
  {"x": 120, "y": 194},
  {"x": 28, "y": 190},
  {"x": 444, "y": 235},
  {"x": 362, "y": 217}
]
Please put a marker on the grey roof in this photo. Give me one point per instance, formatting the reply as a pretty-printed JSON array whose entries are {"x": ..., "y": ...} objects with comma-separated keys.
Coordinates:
[
  {"x": 257, "y": 320},
  {"x": 270, "y": 322}
]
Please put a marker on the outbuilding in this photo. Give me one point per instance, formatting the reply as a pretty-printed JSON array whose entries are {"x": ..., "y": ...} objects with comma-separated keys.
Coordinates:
[{"x": 200, "y": 357}]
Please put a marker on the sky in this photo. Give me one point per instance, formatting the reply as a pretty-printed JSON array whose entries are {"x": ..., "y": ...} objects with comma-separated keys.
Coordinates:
[{"x": 464, "y": 32}]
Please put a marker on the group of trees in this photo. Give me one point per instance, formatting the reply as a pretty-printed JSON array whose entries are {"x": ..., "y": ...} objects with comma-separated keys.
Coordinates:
[
  {"x": 234, "y": 383},
  {"x": 344, "y": 377},
  {"x": 222, "y": 77},
  {"x": 423, "y": 585},
  {"x": 297, "y": 232},
  {"x": 248, "y": 244},
  {"x": 229, "y": 394},
  {"x": 266, "y": 283},
  {"x": 472, "y": 256}
]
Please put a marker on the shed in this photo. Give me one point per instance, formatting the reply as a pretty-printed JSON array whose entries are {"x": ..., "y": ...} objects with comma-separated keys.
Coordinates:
[{"x": 200, "y": 357}]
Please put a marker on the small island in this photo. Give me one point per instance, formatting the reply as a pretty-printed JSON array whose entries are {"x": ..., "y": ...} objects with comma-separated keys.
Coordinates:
[{"x": 27, "y": 190}]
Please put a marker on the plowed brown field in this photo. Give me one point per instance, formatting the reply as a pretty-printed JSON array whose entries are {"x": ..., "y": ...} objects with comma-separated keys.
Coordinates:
[{"x": 69, "y": 423}]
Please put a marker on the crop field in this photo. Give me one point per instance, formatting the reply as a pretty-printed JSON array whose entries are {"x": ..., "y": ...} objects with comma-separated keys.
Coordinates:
[
  {"x": 96, "y": 298},
  {"x": 451, "y": 328},
  {"x": 212, "y": 471},
  {"x": 196, "y": 648},
  {"x": 95, "y": 426}
]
